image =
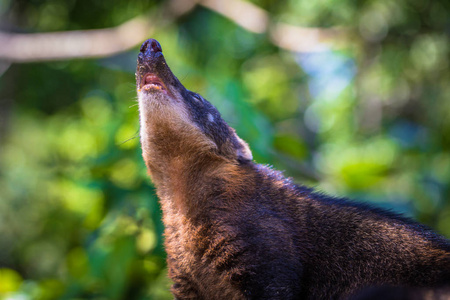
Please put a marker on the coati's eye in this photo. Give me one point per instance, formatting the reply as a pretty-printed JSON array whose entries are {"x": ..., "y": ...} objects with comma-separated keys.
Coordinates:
[{"x": 197, "y": 97}]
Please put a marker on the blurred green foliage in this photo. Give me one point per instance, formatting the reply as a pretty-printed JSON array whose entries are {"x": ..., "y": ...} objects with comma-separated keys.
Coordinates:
[{"x": 79, "y": 218}]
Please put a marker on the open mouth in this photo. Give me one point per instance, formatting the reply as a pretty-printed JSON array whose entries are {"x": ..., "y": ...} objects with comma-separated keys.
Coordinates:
[{"x": 152, "y": 82}]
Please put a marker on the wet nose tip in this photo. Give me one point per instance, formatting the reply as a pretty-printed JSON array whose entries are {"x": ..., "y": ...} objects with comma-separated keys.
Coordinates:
[{"x": 152, "y": 45}]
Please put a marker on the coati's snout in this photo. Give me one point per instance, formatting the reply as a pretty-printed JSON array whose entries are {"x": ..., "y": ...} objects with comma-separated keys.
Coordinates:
[
  {"x": 174, "y": 119},
  {"x": 152, "y": 73}
]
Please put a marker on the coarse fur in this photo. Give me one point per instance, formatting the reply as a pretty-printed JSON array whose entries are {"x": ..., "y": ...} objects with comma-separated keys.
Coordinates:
[{"x": 235, "y": 229}]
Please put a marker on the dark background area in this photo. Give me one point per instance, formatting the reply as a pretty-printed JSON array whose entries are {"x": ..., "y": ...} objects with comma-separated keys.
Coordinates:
[{"x": 366, "y": 116}]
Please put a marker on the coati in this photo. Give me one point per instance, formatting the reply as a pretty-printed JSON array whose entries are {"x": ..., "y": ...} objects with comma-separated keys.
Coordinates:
[{"x": 235, "y": 229}]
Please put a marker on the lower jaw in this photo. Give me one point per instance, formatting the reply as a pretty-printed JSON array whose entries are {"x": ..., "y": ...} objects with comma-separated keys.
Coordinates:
[{"x": 153, "y": 88}]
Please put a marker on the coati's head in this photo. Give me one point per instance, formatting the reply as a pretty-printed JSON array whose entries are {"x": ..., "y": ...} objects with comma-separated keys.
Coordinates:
[{"x": 176, "y": 122}]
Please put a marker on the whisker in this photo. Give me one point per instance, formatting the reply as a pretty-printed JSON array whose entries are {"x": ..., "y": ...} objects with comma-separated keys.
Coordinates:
[{"x": 136, "y": 135}]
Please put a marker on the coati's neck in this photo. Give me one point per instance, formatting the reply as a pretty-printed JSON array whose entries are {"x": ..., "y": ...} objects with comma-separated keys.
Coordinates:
[{"x": 181, "y": 164}]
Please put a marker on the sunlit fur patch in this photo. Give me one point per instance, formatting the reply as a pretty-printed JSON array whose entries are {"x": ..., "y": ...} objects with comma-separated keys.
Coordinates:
[
  {"x": 158, "y": 110},
  {"x": 159, "y": 107}
]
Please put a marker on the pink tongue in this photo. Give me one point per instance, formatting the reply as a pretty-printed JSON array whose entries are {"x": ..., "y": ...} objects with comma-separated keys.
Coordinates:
[
  {"x": 148, "y": 79},
  {"x": 151, "y": 79}
]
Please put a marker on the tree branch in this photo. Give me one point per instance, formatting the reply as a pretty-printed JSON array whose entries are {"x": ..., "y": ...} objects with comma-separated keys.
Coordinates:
[
  {"x": 73, "y": 44},
  {"x": 64, "y": 45}
]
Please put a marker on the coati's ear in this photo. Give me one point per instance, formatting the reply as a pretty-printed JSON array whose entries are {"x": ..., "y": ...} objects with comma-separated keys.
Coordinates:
[
  {"x": 243, "y": 150},
  {"x": 235, "y": 148}
]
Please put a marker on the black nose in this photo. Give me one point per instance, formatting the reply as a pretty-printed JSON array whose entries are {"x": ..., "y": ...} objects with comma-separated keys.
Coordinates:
[{"x": 152, "y": 45}]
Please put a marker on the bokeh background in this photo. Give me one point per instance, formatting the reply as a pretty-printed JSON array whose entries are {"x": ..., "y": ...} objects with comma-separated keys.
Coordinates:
[{"x": 351, "y": 97}]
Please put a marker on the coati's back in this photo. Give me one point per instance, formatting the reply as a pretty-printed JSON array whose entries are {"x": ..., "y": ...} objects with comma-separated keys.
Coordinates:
[{"x": 238, "y": 230}]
